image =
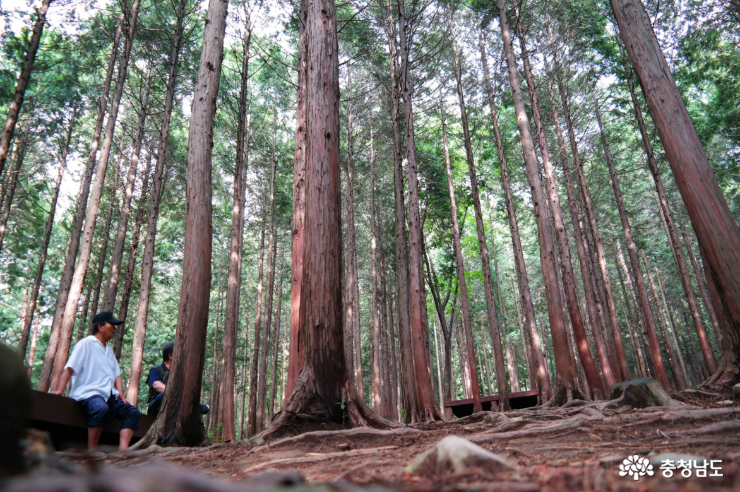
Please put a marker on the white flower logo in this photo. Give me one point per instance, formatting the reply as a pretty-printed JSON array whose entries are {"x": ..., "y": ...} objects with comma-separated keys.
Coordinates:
[{"x": 636, "y": 467}]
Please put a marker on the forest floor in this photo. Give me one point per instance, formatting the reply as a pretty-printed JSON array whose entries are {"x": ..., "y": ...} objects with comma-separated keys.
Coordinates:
[{"x": 568, "y": 448}]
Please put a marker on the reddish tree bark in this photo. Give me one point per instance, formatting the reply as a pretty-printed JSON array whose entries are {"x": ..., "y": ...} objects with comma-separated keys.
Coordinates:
[
  {"x": 644, "y": 304},
  {"x": 710, "y": 215},
  {"x": 472, "y": 383},
  {"x": 323, "y": 380},
  {"x": 566, "y": 265},
  {"x": 407, "y": 368},
  {"x": 86, "y": 243},
  {"x": 589, "y": 287},
  {"x": 672, "y": 233},
  {"x": 233, "y": 288},
  {"x": 494, "y": 330},
  {"x": 679, "y": 378},
  {"x": 147, "y": 261},
  {"x": 73, "y": 244},
  {"x": 299, "y": 205},
  {"x": 179, "y": 420},
  {"x": 537, "y": 366},
  {"x": 566, "y": 388}
]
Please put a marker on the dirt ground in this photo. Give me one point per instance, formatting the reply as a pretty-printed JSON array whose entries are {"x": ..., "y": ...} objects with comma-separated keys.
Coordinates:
[{"x": 569, "y": 448}]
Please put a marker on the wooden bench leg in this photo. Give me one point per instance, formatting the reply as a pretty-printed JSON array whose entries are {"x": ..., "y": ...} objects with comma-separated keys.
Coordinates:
[{"x": 448, "y": 413}]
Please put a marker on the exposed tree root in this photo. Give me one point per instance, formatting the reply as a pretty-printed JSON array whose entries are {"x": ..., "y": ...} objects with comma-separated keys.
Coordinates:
[
  {"x": 319, "y": 457},
  {"x": 563, "y": 394},
  {"x": 731, "y": 427},
  {"x": 529, "y": 431},
  {"x": 356, "y": 432},
  {"x": 306, "y": 406}
]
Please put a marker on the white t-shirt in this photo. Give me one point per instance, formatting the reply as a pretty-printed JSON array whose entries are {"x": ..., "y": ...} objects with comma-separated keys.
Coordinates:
[{"x": 95, "y": 369}]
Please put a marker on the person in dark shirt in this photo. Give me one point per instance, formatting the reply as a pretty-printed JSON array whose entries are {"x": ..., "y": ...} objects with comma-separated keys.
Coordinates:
[{"x": 157, "y": 381}]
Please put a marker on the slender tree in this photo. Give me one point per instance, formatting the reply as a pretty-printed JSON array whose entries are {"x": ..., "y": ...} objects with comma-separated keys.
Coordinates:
[
  {"x": 472, "y": 383},
  {"x": 36, "y": 288},
  {"x": 493, "y": 326},
  {"x": 566, "y": 388},
  {"x": 537, "y": 363},
  {"x": 91, "y": 214},
  {"x": 116, "y": 257},
  {"x": 179, "y": 420},
  {"x": 715, "y": 226},
  {"x": 73, "y": 244},
  {"x": 233, "y": 287},
  {"x": 647, "y": 315},
  {"x": 147, "y": 261},
  {"x": 16, "y": 102}
]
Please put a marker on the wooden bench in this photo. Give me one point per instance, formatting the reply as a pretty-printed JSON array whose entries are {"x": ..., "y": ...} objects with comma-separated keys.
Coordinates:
[
  {"x": 66, "y": 422},
  {"x": 463, "y": 408}
]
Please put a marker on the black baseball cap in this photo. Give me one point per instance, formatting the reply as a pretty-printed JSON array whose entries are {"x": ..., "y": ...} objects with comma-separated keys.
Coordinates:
[{"x": 106, "y": 317}]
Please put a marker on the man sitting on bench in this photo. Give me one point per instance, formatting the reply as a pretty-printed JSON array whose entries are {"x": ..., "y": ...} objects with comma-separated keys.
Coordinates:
[
  {"x": 157, "y": 381},
  {"x": 96, "y": 382}
]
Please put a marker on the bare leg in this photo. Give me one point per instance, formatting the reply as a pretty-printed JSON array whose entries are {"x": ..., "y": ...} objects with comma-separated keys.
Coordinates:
[
  {"x": 125, "y": 439},
  {"x": 93, "y": 436}
]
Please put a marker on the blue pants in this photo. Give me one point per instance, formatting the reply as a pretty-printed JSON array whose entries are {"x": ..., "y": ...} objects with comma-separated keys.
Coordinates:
[
  {"x": 99, "y": 411},
  {"x": 156, "y": 404}
]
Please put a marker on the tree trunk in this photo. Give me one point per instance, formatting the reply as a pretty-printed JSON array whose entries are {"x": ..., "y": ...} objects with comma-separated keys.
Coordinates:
[
  {"x": 567, "y": 276},
  {"x": 636, "y": 345},
  {"x": 275, "y": 345},
  {"x": 109, "y": 299},
  {"x": 16, "y": 102},
  {"x": 589, "y": 287},
  {"x": 472, "y": 383},
  {"x": 233, "y": 289},
  {"x": 543, "y": 378},
  {"x": 494, "y": 330},
  {"x": 353, "y": 339},
  {"x": 131, "y": 265},
  {"x": 93, "y": 207},
  {"x": 407, "y": 369},
  {"x": 70, "y": 256},
  {"x": 678, "y": 376},
  {"x": 660, "y": 372},
  {"x": 673, "y": 239},
  {"x": 271, "y": 260},
  {"x": 47, "y": 238},
  {"x": 34, "y": 341},
  {"x": 179, "y": 420},
  {"x": 299, "y": 206},
  {"x": 147, "y": 262},
  {"x": 323, "y": 380},
  {"x": 424, "y": 409},
  {"x": 566, "y": 374},
  {"x": 622, "y": 366},
  {"x": 253, "y": 375},
  {"x": 103, "y": 253},
  {"x": 710, "y": 215},
  {"x": 649, "y": 365},
  {"x": 511, "y": 364},
  {"x": 684, "y": 372},
  {"x": 702, "y": 288},
  {"x": 20, "y": 156},
  {"x": 374, "y": 304}
]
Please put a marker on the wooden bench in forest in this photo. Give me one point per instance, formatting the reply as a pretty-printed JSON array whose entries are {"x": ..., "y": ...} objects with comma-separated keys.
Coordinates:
[
  {"x": 463, "y": 408},
  {"x": 64, "y": 419}
]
